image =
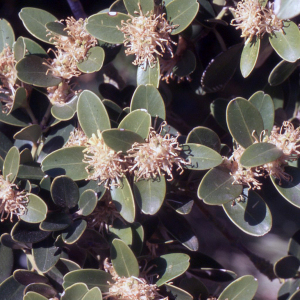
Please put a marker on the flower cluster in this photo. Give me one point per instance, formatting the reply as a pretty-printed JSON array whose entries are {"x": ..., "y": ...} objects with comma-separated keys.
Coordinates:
[
  {"x": 71, "y": 49},
  {"x": 255, "y": 20},
  {"x": 8, "y": 77},
  {"x": 12, "y": 201},
  {"x": 147, "y": 35},
  {"x": 77, "y": 138},
  {"x": 130, "y": 288}
]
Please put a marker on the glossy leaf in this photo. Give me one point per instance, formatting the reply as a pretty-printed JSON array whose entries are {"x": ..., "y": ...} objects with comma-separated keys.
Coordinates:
[
  {"x": 36, "y": 210},
  {"x": 181, "y": 13},
  {"x": 91, "y": 277},
  {"x": 147, "y": 75},
  {"x": 93, "y": 61},
  {"x": 87, "y": 202},
  {"x": 11, "y": 164},
  {"x": 93, "y": 294},
  {"x": 260, "y": 154},
  {"x": 123, "y": 200},
  {"x": 287, "y": 266},
  {"x": 30, "y": 133},
  {"x": 149, "y": 98},
  {"x": 243, "y": 288},
  {"x": 11, "y": 289},
  {"x": 204, "y": 136},
  {"x": 75, "y": 292},
  {"x": 66, "y": 111},
  {"x": 249, "y": 57},
  {"x": 286, "y": 9},
  {"x": 6, "y": 262},
  {"x": 19, "y": 48},
  {"x": 243, "y": 118},
  {"x": 137, "y": 121},
  {"x": 123, "y": 259},
  {"x": 178, "y": 293},
  {"x": 66, "y": 161},
  {"x": 56, "y": 221},
  {"x": 265, "y": 105},
  {"x": 281, "y": 72},
  {"x": 120, "y": 139},
  {"x": 201, "y": 157},
  {"x": 221, "y": 69},
  {"x": 169, "y": 266},
  {"x": 73, "y": 233},
  {"x": 64, "y": 192},
  {"x": 217, "y": 187},
  {"x": 287, "y": 43},
  {"x": 289, "y": 189},
  {"x": 45, "y": 254},
  {"x": 92, "y": 114},
  {"x": 132, "y": 6},
  {"x": 150, "y": 194},
  {"x": 103, "y": 26},
  {"x": 35, "y": 21},
  {"x": 7, "y": 36},
  {"x": 32, "y": 70},
  {"x": 34, "y": 296},
  {"x": 251, "y": 215}
]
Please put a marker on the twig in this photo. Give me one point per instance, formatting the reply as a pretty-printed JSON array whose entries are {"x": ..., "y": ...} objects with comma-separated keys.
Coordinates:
[{"x": 77, "y": 9}]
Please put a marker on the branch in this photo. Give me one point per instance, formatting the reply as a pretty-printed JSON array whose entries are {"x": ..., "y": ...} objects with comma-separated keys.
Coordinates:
[{"x": 77, "y": 9}]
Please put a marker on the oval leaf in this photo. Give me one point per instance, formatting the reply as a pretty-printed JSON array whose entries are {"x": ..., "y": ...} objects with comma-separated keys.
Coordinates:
[
  {"x": 243, "y": 118},
  {"x": 56, "y": 221},
  {"x": 178, "y": 293},
  {"x": 286, "y": 9},
  {"x": 287, "y": 267},
  {"x": 66, "y": 111},
  {"x": 251, "y": 216},
  {"x": 11, "y": 164},
  {"x": 75, "y": 292},
  {"x": 30, "y": 133},
  {"x": 19, "y": 48},
  {"x": 217, "y": 187},
  {"x": 133, "y": 5},
  {"x": 73, "y": 233},
  {"x": 147, "y": 75},
  {"x": 34, "y": 296},
  {"x": 7, "y": 36},
  {"x": 11, "y": 289},
  {"x": 93, "y": 294},
  {"x": 93, "y": 62},
  {"x": 36, "y": 210},
  {"x": 6, "y": 262},
  {"x": 249, "y": 57},
  {"x": 87, "y": 202}
]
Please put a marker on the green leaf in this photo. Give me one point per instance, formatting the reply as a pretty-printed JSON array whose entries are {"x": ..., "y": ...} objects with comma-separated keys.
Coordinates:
[
  {"x": 251, "y": 215},
  {"x": 11, "y": 289},
  {"x": 120, "y": 139},
  {"x": 204, "y": 136},
  {"x": 34, "y": 296},
  {"x": 221, "y": 69},
  {"x": 45, "y": 254},
  {"x": 289, "y": 189},
  {"x": 150, "y": 194},
  {"x": 249, "y": 57},
  {"x": 195, "y": 287},
  {"x": 265, "y": 105},
  {"x": 281, "y": 72},
  {"x": 294, "y": 245},
  {"x": 137, "y": 121},
  {"x": 218, "y": 110},
  {"x": 287, "y": 267},
  {"x": 147, "y": 75},
  {"x": 149, "y": 98},
  {"x": 123, "y": 200},
  {"x": 91, "y": 277},
  {"x": 66, "y": 161},
  {"x": 181, "y": 13},
  {"x": 28, "y": 232},
  {"x": 73, "y": 233},
  {"x": 20, "y": 99},
  {"x": 243, "y": 288},
  {"x": 295, "y": 296},
  {"x": 103, "y": 26},
  {"x": 31, "y": 70},
  {"x": 200, "y": 156},
  {"x": 286, "y": 9},
  {"x": 178, "y": 293},
  {"x": 41, "y": 288},
  {"x": 64, "y": 192},
  {"x": 31, "y": 171},
  {"x": 87, "y": 202},
  {"x": 217, "y": 187},
  {"x": 6, "y": 262},
  {"x": 123, "y": 259},
  {"x": 19, "y": 48},
  {"x": 57, "y": 28},
  {"x": 121, "y": 231},
  {"x": 179, "y": 228},
  {"x": 36, "y": 210},
  {"x": 186, "y": 65},
  {"x": 132, "y": 6},
  {"x": 11, "y": 164},
  {"x": 138, "y": 238},
  {"x": 288, "y": 288},
  {"x": 93, "y": 61},
  {"x": 56, "y": 221},
  {"x": 287, "y": 44},
  {"x": 92, "y": 114},
  {"x": 16, "y": 118},
  {"x": 30, "y": 133},
  {"x": 66, "y": 111},
  {"x": 7, "y": 36},
  {"x": 34, "y": 48},
  {"x": 75, "y": 292},
  {"x": 243, "y": 118},
  {"x": 93, "y": 294},
  {"x": 35, "y": 21},
  {"x": 260, "y": 154},
  {"x": 169, "y": 266}
]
